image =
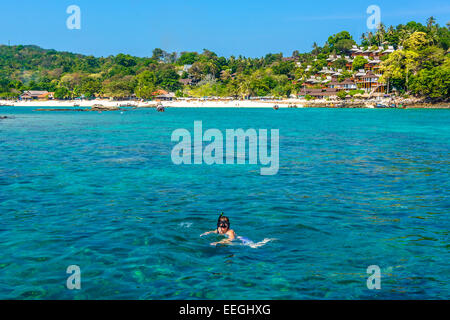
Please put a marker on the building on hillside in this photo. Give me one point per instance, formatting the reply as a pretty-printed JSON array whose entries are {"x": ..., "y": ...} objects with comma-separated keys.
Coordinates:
[
  {"x": 370, "y": 53},
  {"x": 326, "y": 71},
  {"x": 373, "y": 65},
  {"x": 311, "y": 82},
  {"x": 318, "y": 93},
  {"x": 367, "y": 79},
  {"x": 347, "y": 85},
  {"x": 186, "y": 67},
  {"x": 294, "y": 59},
  {"x": 355, "y": 51},
  {"x": 337, "y": 73},
  {"x": 186, "y": 82},
  {"x": 328, "y": 79},
  {"x": 389, "y": 50},
  {"x": 330, "y": 72},
  {"x": 369, "y": 82},
  {"x": 332, "y": 58}
]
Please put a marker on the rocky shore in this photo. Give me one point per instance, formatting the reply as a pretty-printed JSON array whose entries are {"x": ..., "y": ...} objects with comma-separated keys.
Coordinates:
[{"x": 401, "y": 103}]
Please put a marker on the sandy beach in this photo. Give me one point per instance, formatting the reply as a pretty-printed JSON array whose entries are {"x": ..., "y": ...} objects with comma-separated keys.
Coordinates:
[
  {"x": 179, "y": 103},
  {"x": 222, "y": 103}
]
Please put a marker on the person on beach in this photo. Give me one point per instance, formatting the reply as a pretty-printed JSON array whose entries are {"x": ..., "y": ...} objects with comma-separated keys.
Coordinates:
[{"x": 223, "y": 228}]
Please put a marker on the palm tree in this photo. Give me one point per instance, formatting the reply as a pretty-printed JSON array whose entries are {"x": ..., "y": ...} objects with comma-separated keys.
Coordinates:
[
  {"x": 244, "y": 87},
  {"x": 364, "y": 38},
  {"x": 430, "y": 22},
  {"x": 370, "y": 36},
  {"x": 404, "y": 34},
  {"x": 381, "y": 32},
  {"x": 432, "y": 29}
]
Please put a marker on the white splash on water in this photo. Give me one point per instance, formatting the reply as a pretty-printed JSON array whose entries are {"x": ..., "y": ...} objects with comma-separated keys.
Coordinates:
[
  {"x": 185, "y": 224},
  {"x": 254, "y": 245}
]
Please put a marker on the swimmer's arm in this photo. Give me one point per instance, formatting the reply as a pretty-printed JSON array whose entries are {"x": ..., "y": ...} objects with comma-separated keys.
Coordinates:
[
  {"x": 209, "y": 232},
  {"x": 231, "y": 236}
]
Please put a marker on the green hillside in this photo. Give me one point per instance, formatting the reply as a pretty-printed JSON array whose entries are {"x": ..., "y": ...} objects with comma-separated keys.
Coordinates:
[{"x": 419, "y": 66}]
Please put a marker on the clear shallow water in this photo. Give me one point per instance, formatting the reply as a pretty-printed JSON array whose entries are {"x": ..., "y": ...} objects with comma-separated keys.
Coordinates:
[{"x": 355, "y": 188}]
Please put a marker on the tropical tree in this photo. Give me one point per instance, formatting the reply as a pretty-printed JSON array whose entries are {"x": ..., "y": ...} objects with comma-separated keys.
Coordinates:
[
  {"x": 359, "y": 62},
  {"x": 119, "y": 87}
]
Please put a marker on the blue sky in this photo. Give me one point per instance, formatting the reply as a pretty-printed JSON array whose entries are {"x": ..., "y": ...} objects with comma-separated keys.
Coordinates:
[{"x": 227, "y": 27}]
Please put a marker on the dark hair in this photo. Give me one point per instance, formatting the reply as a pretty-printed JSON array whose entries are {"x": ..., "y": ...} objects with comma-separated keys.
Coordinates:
[{"x": 223, "y": 218}]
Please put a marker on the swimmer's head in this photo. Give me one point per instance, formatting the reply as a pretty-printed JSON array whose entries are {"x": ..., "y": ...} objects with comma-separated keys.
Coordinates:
[{"x": 223, "y": 224}]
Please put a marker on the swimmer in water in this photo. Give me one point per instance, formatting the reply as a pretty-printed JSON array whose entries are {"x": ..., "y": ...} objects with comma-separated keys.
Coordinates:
[{"x": 223, "y": 228}]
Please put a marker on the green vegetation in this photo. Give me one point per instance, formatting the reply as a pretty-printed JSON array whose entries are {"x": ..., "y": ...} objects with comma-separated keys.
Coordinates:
[
  {"x": 421, "y": 67},
  {"x": 359, "y": 63},
  {"x": 342, "y": 94}
]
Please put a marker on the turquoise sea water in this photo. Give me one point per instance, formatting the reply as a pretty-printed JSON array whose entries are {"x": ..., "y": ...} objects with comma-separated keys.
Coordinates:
[{"x": 98, "y": 190}]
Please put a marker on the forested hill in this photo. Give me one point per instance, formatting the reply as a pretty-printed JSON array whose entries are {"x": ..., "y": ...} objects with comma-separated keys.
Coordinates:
[{"x": 419, "y": 66}]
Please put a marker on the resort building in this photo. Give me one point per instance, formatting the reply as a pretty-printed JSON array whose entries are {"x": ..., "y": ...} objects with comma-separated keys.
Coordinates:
[
  {"x": 347, "y": 85},
  {"x": 35, "y": 94},
  {"x": 369, "y": 81},
  {"x": 319, "y": 93},
  {"x": 373, "y": 65},
  {"x": 294, "y": 59},
  {"x": 163, "y": 95},
  {"x": 325, "y": 82},
  {"x": 186, "y": 67},
  {"x": 389, "y": 50},
  {"x": 373, "y": 53},
  {"x": 311, "y": 82},
  {"x": 325, "y": 70},
  {"x": 185, "y": 82},
  {"x": 46, "y": 96}
]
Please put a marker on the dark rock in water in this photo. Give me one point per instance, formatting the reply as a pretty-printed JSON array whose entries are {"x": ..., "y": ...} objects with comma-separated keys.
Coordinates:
[
  {"x": 99, "y": 107},
  {"x": 4, "y": 117}
]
